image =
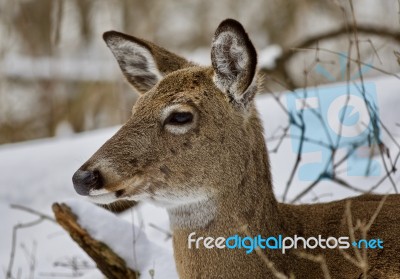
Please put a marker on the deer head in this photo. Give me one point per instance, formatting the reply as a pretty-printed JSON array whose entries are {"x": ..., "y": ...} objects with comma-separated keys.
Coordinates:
[{"x": 190, "y": 132}]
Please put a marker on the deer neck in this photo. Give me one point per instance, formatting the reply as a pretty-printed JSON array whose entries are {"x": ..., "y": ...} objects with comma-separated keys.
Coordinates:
[
  {"x": 249, "y": 203},
  {"x": 248, "y": 209}
]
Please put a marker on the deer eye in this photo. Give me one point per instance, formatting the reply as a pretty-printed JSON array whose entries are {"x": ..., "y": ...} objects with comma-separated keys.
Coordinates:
[{"x": 179, "y": 118}]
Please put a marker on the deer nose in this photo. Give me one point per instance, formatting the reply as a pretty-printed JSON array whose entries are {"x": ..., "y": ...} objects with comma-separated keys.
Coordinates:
[{"x": 84, "y": 181}]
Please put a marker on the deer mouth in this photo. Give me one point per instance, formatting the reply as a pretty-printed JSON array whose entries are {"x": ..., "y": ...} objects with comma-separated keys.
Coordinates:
[
  {"x": 102, "y": 196},
  {"x": 130, "y": 189}
]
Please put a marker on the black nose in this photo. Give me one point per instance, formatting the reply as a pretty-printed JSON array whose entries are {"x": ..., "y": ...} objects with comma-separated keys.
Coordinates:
[{"x": 84, "y": 181}]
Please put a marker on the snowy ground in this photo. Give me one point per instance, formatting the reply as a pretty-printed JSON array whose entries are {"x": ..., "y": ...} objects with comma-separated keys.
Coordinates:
[{"x": 38, "y": 173}]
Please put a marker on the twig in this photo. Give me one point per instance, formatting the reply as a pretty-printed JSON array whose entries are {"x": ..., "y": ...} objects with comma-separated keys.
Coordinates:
[
  {"x": 342, "y": 30},
  {"x": 319, "y": 259},
  {"x": 41, "y": 218},
  {"x": 31, "y": 258},
  {"x": 270, "y": 264},
  {"x": 351, "y": 59},
  {"x": 168, "y": 234},
  {"x": 14, "y": 243},
  {"x": 32, "y": 211}
]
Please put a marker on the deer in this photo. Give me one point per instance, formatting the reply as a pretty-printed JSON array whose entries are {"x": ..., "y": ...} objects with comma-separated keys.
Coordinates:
[{"x": 194, "y": 145}]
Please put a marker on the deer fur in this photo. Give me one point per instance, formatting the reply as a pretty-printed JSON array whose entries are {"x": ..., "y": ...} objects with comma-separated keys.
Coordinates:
[{"x": 213, "y": 174}]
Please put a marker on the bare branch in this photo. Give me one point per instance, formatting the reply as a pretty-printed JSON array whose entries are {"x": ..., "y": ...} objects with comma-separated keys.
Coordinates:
[
  {"x": 319, "y": 259},
  {"x": 14, "y": 244},
  {"x": 342, "y": 30},
  {"x": 32, "y": 211}
]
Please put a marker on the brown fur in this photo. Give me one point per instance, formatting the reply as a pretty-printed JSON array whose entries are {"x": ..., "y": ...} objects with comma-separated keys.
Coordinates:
[{"x": 223, "y": 157}]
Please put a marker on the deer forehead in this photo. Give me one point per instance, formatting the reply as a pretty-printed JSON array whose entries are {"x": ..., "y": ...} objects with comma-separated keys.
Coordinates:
[
  {"x": 185, "y": 83},
  {"x": 192, "y": 86}
]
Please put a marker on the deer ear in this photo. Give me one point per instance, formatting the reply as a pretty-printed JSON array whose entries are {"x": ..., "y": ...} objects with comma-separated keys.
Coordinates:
[
  {"x": 142, "y": 62},
  {"x": 234, "y": 60}
]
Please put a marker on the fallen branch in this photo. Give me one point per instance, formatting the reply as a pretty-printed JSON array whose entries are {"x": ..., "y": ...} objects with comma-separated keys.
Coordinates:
[{"x": 108, "y": 262}]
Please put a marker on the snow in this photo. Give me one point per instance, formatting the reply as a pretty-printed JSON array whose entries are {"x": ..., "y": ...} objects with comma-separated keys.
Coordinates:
[
  {"x": 38, "y": 173},
  {"x": 200, "y": 56},
  {"x": 128, "y": 240},
  {"x": 59, "y": 68},
  {"x": 268, "y": 56},
  {"x": 103, "y": 68},
  {"x": 64, "y": 129}
]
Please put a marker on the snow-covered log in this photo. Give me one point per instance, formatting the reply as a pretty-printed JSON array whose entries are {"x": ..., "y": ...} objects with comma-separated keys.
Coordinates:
[{"x": 108, "y": 262}]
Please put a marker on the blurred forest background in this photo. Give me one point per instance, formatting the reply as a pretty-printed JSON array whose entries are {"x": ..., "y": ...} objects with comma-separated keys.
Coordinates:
[{"x": 57, "y": 77}]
